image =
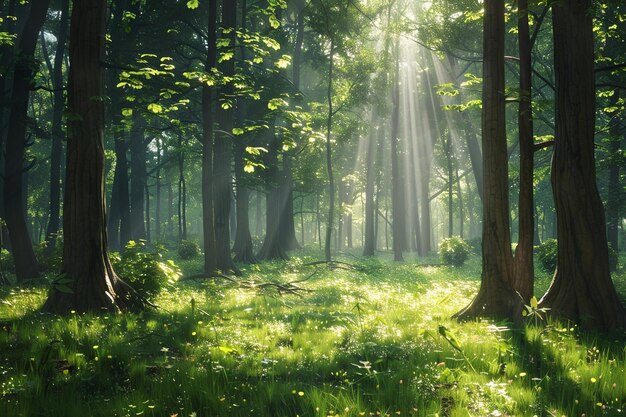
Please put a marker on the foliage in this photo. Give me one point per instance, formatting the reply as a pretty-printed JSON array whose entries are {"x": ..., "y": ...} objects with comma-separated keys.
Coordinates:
[
  {"x": 6, "y": 261},
  {"x": 144, "y": 270},
  {"x": 50, "y": 263},
  {"x": 547, "y": 253},
  {"x": 367, "y": 344},
  {"x": 188, "y": 249},
  {"x": 454, "y": 251}
]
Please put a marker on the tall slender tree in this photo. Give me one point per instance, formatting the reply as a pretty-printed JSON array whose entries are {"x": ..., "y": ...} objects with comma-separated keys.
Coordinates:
[{"x": 13, "y": 193}]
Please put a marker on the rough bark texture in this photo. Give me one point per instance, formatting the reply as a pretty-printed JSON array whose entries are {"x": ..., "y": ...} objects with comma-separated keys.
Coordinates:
[
  {"x": 208, "y": 226},
  {"x": 94, "y": 285},
  {"x": 524, "y": 267},
  {"x": 496, "y": 297},
  {"x": 13, "y": 193},
  {"x": 56, "y": 151},
  {"x": 582, "y": 289},
  {"x": 223, "y": 153}
]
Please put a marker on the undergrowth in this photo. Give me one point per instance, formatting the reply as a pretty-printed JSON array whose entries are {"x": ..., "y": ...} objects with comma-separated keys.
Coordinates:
[{"x": 373, "y": 340}]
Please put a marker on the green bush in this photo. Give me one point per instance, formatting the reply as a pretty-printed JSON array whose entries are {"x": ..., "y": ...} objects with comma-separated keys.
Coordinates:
[
  {"x": 50, "y": 262},
  {"x": 6, "y": 261},
  {"x": 547, "y": 253},
  {"x": 454, "y": 251},
  {"x": 144, "y": 270},
  {"x": 188, "y": 249}
]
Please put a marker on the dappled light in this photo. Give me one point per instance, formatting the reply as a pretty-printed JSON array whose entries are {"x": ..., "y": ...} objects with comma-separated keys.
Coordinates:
[{"x": 318, "y": 208}]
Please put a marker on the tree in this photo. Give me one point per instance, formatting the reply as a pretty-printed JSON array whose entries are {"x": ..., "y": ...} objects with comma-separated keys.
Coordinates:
[
  {"x": 495, "y": 297},
  {"x": 524, "y": 267},
  {"x": 208, "y": 226},
  {"x": 14, "y": 210},
  {"x": 87, "y": 281},
  {"x": 582, "y": 289},
  {"x": 57, "y": 129},
  {"x": 222, "y": 157}
]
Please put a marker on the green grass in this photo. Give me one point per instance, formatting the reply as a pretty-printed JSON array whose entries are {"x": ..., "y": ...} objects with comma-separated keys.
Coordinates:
[{"x": 361, "y": 343}]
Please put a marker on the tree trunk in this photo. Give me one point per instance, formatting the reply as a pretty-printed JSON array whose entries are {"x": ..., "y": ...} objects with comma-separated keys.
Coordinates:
[
  {"x": 496, "y": 297},
  {"x": 272, "y": 247},
  {"x": 223, "y": 151},
  {"x": 614, "y": 193},
  {"x": 397, "y": 192},
  {"x": 138, "y": 179},
  {"x": 57, "y": 131},
  {"x": 329, "y": 164},
  {"x": 23, "y": 255},
  {"x": 524, "y": 267},
  {"x": 93, "y": 285},
  {"x": 369, "y": 245},
  {"x": 208, "y": 225},
  {"x": 582, "y": 289}
]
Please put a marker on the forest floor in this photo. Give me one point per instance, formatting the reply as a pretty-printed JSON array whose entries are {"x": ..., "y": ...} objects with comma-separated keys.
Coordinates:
[{"x": 374, "y": 339}]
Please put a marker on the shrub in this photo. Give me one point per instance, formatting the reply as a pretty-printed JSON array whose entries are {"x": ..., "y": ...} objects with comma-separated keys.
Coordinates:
[
  {"x": 454, "y": 251},
  {"x": 547, "y": 253},
  {"x": 50, "y": 262},
  {"x": 6, "y": 261},
  {"x": 188, "y": 249},
  {"x": 144, "y": 270}
]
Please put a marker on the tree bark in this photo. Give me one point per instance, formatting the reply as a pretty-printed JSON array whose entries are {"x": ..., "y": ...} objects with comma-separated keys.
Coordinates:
[
  {"x": 582, "y": 289},
  {"x": 524, "y": 266},
  {"x": 397, "y": 192},
  {"x": 369, "y": 245},
  {"x": 496, "y": 297},
  {"x": 56, "y": 152},
  {"x": 208, "y": 225},
  {"x": 13, "y": 193},
  {"x": 223, "y": 151},
  {"x": 93, "y": 285},
  {"x": 138, "y": 179},
  {"x": 329, "y": 164}
]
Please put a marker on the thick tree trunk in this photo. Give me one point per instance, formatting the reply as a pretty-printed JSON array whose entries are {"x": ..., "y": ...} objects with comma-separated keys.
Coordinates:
[
  {"x": 582, "y": 289},
  {"x": 496, "y": 297},
  {"x": 23, "y": 255},
  {"x": 223, "y": 152},
  {"x": 524, "y": 268},
  {"x": 93, "y": 285},
  {"x": 56, "y": 152}
]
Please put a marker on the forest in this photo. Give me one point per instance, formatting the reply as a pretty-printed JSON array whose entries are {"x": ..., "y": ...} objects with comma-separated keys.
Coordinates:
[{"x": 312, "y": 208}]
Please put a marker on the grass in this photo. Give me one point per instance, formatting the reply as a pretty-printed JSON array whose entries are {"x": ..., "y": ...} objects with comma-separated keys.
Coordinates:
[{"x": 361, "y": 343}]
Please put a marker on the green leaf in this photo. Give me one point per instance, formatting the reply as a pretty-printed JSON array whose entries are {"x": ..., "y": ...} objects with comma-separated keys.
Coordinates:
[
  {"x": 274, "y": 22},
  {"x": 534, "y": 303},
  {"x": 127, "y": 112},
  {"x": 193, "y": 4},
  {"x": 63, "y": 288},
  {"x": 155, "y": 108},
  {"x": 238, "y": 131}
]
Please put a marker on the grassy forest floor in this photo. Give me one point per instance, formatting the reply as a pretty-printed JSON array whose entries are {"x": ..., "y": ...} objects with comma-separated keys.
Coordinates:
[{"x": 364, "y": 341}]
